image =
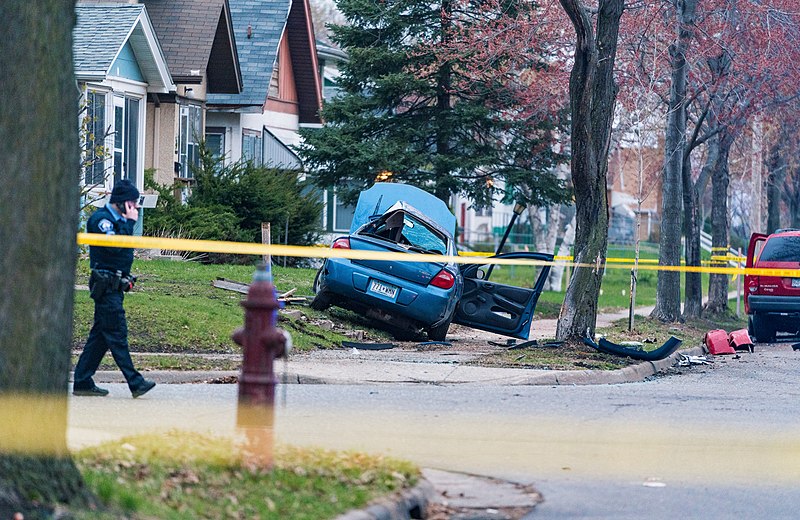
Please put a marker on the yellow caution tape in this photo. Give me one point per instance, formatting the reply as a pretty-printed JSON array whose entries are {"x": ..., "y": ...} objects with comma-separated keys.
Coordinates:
[{"x": 248, "y": 248}]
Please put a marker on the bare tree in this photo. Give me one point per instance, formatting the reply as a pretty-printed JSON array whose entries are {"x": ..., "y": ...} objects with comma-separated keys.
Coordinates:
[
  {"x": 592, "y": 92},
  {"x": 38, "y": 220}
]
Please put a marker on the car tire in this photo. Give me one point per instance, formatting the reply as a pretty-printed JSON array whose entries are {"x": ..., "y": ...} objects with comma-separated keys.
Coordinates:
[
  {"x": 763, "y": 330},
  {"x": 321, "y": 301},
  {"x": 439, "y": 333}
]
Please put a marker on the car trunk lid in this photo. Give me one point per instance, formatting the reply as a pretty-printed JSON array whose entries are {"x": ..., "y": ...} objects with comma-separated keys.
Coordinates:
[{"x": 417, "y": 272}]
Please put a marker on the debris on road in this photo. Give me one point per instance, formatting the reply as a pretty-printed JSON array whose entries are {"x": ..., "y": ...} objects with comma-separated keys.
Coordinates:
[
  {"x": 636, "y": 352},
  {"x": 431, "y": 343},
  {"x": 242, "y": 288},
  {"x": 687, "y": 361},
  {"x": 367, "y": 346},
  {"x": 717, "y": 342}
]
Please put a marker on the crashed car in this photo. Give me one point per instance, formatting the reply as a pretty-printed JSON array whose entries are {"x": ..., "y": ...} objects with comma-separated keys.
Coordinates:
[{"x": 411, "y": 297}]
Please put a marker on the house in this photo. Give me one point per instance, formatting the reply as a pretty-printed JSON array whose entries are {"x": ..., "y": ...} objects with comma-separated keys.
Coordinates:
[
  {"x": 118, "y": 64},
  {"x": 634, "y": 175},
  {"x": 198, "y": 43},
  {"x": 282, "y": 88}
]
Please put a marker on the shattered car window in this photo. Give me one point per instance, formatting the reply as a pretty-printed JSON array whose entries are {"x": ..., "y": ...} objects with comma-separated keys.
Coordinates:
[{"x": 408, "y": 231}]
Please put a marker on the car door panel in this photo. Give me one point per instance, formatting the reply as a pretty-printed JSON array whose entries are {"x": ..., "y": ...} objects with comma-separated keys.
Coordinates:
[{"x": 500, "y": 308}]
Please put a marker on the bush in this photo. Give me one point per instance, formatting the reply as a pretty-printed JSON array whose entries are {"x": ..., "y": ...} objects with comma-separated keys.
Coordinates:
[{"x": 230, "y": 202}]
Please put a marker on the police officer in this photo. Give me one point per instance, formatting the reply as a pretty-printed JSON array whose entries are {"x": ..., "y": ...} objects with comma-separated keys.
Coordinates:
[{"x": 110, "y": 279}]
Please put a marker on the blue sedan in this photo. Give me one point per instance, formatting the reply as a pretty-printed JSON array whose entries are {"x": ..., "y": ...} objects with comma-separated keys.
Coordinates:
[{"x": 410, "y": 297}]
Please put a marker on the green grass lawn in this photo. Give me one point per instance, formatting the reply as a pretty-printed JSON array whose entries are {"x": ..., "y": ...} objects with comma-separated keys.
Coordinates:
[
  {"x": 184, "y": 475},
  {"x": 175, "y": 308}
]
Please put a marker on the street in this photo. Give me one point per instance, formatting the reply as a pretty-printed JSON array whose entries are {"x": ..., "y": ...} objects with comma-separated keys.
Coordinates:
[{"x": 716, "y": 441}]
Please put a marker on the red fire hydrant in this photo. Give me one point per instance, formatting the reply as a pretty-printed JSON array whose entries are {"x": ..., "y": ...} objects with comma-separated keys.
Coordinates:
[{"x": 261, "y": 343}]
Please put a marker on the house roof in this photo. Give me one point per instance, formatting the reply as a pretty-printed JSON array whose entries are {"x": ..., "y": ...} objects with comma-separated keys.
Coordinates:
[
  {"x": 197, "y": 38},
  {"x": 100, "y": 34},
  {"x": 258, "y": 27}
]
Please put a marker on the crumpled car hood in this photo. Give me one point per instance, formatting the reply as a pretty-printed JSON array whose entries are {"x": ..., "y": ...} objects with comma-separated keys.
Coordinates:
[{"x": 383, "y": 195}]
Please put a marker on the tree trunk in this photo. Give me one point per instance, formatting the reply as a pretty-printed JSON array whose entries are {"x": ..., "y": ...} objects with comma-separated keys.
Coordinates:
[
  {"x": 445, "y": 183},
  {"x": 718, "y": 283},
  {"x": 565, "y": 249},
  {"x": 592, "y": 92},
  {"x": 776, "y": 175},
  {"x": 38, "y": 221},
  {"x": 668, "y": 291},
  {"x": 693, "y": 285}
]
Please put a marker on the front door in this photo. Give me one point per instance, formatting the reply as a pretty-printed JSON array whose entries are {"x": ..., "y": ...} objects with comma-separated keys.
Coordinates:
[{"x": 495, "y": 307}]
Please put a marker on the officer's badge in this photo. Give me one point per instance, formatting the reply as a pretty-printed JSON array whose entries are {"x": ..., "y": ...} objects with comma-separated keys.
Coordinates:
[{"x": 106, "y": 227}]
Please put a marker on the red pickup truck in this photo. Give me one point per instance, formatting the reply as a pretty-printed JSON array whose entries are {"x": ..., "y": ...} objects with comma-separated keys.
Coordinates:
[{"x": 772, "y": 303}]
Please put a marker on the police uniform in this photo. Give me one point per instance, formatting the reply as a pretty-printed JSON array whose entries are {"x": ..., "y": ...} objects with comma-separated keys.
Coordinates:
[{"x": 110, "y": 268}]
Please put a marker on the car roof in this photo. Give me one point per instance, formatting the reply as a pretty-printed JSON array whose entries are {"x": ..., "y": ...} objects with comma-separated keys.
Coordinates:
[
  {"x": 383, "y": 195},
  {"x": 785, "y": 232}
]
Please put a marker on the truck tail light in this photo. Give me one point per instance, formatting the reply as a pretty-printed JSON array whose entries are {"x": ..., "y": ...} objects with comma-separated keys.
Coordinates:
[
  {"x": 341, "y": 243},
  {"x": 443, "y": 280}
]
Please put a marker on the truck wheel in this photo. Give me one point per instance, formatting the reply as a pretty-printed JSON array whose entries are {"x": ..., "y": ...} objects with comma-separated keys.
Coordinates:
[{"x": 763, "y": 330}]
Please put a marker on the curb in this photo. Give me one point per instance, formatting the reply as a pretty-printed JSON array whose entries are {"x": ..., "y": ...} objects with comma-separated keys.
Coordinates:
[
  {"x": 629, "y": 374},
  {"x": 406, "y": 505}
]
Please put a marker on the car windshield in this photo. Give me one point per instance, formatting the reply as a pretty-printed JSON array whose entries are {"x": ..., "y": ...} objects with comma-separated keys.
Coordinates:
[
  {"x": 781, "y": 249},
  {"x": 409, "y": 231}
]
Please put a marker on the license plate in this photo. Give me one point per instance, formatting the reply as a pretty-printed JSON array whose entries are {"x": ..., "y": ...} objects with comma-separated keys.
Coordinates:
[
  {"x": 383, "y": 289},
  {"x": 795, "y": 282}
]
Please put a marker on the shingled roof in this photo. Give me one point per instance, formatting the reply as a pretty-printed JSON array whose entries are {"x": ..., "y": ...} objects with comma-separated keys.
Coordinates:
[
  {"x": 265, "y": 21},
  {"x": 99, "y": 35},
  {"x": 197, "y": 38},
  {"x": 259, "y": 26}
]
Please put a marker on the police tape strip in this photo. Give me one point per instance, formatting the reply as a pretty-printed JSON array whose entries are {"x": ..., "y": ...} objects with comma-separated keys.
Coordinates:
[{"x": 248, "y": 248}]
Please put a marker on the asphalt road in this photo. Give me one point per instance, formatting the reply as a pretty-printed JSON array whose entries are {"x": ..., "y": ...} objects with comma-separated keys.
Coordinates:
[{"x": 716, "y": 441}]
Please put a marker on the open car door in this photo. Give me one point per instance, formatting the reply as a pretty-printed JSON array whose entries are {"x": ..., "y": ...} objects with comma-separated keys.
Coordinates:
[
  {"x": 757, "y": 241},
  {"x": 494, "y": 307}
]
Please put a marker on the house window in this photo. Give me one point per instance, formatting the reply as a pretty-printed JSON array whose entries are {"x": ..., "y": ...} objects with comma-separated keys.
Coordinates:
[
  {"x": 215, "y": 142},
  {"x": 94, "y": 166},
  {"x": 189, "y": 140},
  {"x": 252, "y": 146},
  {"x": 342, "y": 214},
  {"x": 126, "y": 138}
]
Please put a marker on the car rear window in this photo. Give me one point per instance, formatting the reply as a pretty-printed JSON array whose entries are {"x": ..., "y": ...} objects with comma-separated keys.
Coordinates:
[
  {"x": 412, "y": 232},
  {"x": 781, "y": 249}
]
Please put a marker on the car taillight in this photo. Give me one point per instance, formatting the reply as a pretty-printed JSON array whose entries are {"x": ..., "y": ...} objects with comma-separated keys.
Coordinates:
[
  {"x": 341, "y": 243},
  {"x": 443, "y": 280}
]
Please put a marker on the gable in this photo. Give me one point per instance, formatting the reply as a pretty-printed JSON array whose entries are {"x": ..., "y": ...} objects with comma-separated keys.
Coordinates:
[
  {"x": 197, "y": 38},
  {"x": 258, "y": 26},
  {"x": 126, "y": 66},
  {"x": 104, "y": 33}
]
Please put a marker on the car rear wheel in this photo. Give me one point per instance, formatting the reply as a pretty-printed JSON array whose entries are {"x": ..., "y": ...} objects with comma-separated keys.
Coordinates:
[
  {"x": 762, "y": 329},
  {"x": 322, "y": 300},
  {"x": 439, "y": 333}
]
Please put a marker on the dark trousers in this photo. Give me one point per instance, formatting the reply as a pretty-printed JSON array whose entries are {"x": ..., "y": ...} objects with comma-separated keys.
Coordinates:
[{"x": 109, "y": 332}]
